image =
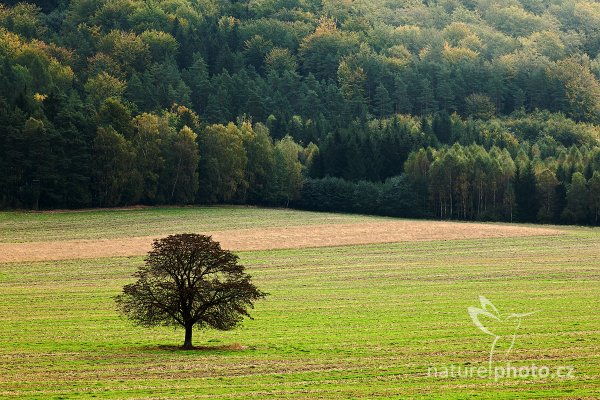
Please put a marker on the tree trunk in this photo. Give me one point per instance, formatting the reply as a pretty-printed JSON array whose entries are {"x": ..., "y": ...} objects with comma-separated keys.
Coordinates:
[{"x": 187, "y": 345}]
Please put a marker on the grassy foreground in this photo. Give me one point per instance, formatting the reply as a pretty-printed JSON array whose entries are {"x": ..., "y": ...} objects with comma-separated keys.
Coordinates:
[{"x": 340, "y": 322}]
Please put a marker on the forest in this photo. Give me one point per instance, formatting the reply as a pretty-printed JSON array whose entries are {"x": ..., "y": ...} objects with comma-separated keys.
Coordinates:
[{"x": 451, "y": 109}]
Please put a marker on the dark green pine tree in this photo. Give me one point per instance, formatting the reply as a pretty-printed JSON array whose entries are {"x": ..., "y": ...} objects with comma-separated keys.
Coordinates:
[
  {"x": 561, "y": 201},
  {"x": 426, "y": 97},
  {"x": 401, "y": 99},
  {"x": 383, "y": 101},
  {"x": 197, "y": 79},
  {"x": 525, "y": 193},
  {"x": 442, "y": 127},
  {"x": 445, "y": 91}
]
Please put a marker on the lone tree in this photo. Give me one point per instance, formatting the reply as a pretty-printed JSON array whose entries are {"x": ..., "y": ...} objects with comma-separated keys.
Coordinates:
[{"x": 188, "y": 280}]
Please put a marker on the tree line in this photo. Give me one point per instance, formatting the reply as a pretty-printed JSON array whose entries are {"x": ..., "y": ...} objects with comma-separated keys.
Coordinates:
[
  {"x": 472, "y": 183},
  {"x": 157, "y": 160},
  {"x": 117, "y": 102}
]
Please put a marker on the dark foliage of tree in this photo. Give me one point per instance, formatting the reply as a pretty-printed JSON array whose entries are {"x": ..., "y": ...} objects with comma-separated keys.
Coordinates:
[
  {"x": 525, "y": 190},
  {"x": 189, "y": 281},
  {"x": 397, "y": 197}
]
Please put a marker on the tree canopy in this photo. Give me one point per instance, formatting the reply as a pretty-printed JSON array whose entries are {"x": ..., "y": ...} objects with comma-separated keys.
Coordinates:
[{"x": 189, "y": 281}]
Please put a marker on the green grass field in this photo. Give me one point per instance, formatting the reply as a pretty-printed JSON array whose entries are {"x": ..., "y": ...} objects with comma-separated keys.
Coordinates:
[
  {"x": 100, "y": 224},
  {"x": 340, "y": 322}
]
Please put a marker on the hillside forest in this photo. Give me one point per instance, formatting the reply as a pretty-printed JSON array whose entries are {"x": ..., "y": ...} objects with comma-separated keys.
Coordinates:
[{"x": 452, "y": 109}]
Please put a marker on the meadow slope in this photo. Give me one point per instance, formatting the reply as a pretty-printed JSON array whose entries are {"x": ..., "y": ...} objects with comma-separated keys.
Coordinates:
[{"x": 340, "y": 322}]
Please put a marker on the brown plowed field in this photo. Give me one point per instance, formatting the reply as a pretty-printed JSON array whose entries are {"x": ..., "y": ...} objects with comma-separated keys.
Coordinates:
[{"x": 277, "y": 238}]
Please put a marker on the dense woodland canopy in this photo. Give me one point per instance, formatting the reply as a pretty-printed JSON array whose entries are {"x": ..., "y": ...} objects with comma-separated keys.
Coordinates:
[{"x": 470, "y": 109}]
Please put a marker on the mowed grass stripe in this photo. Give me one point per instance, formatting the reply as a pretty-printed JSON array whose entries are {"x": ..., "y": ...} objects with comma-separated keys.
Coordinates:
[
  {"x": 355, "y": 321},
  {"x": 18, "y": 227}
]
